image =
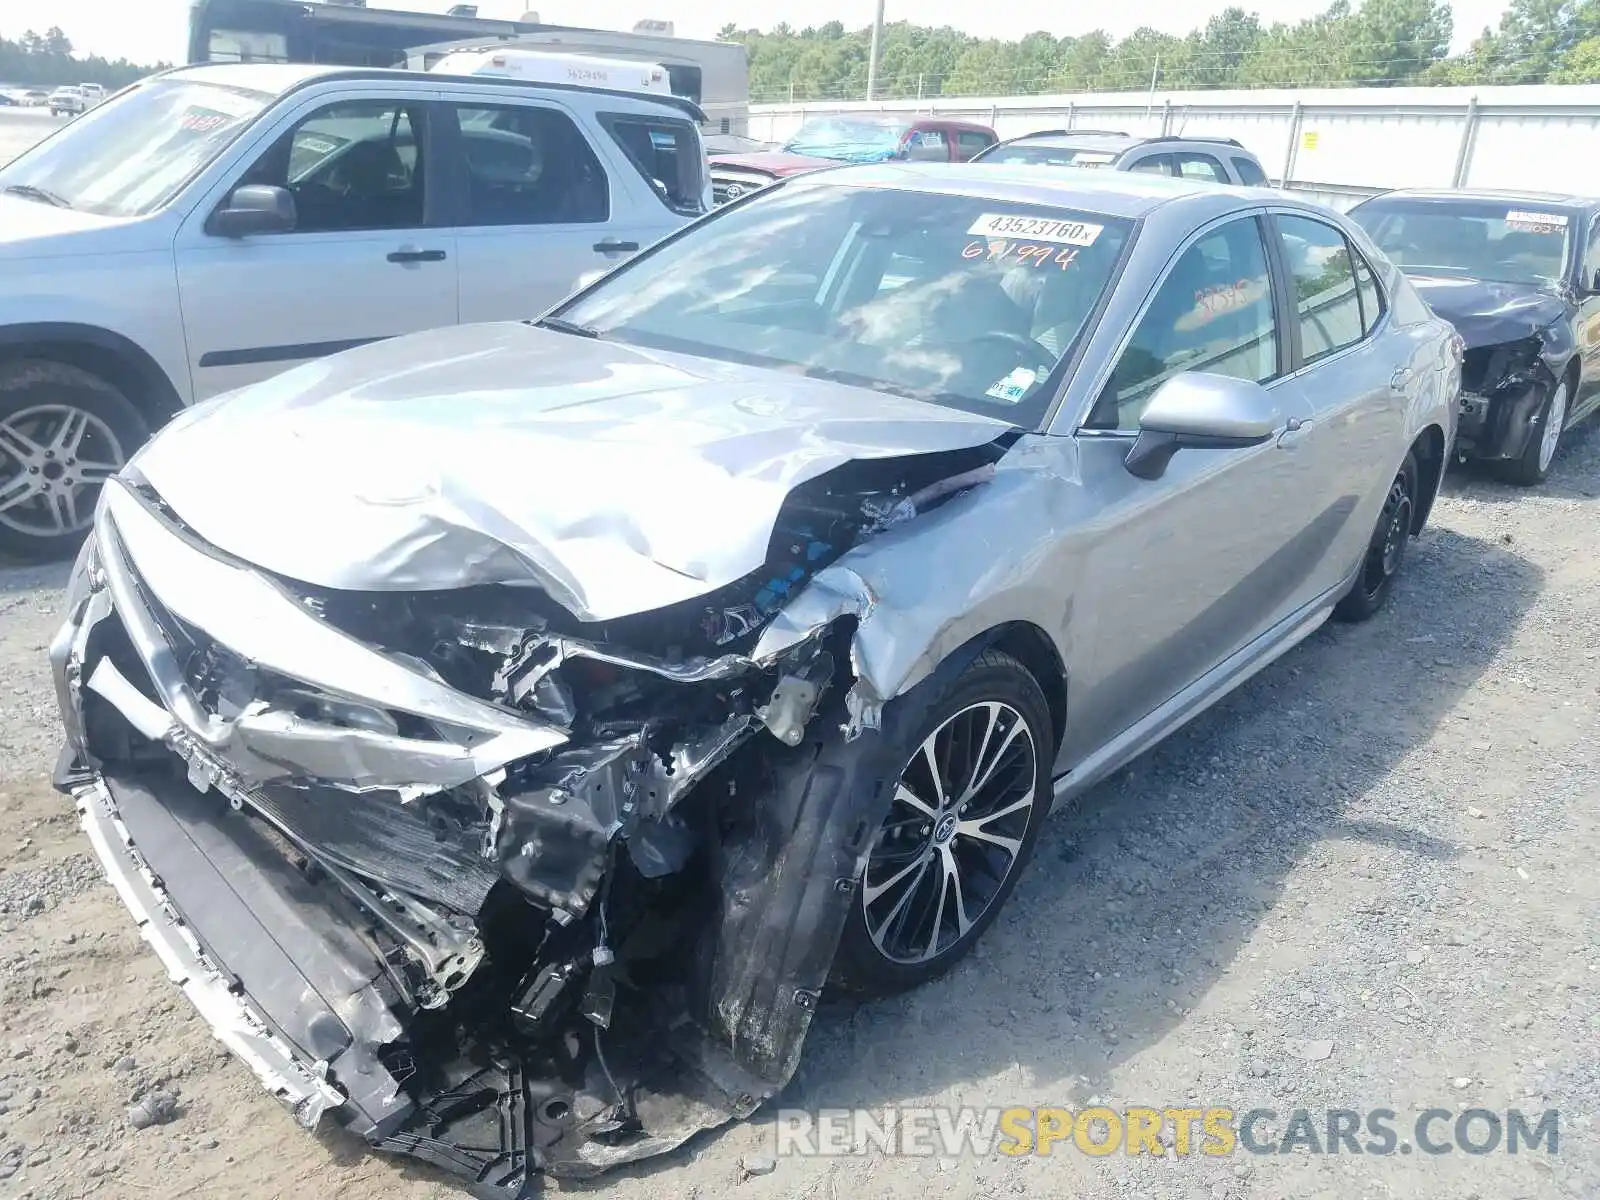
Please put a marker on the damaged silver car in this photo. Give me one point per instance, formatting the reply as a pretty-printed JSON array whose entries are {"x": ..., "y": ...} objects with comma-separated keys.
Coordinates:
[{"x": 505, "y": 734}]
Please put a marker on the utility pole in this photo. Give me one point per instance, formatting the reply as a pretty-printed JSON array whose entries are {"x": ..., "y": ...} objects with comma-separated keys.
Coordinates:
[{"x": 872, "y": 54}]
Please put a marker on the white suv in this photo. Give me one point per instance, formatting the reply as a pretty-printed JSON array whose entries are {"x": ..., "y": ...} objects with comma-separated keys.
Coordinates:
[
  {"x": 67, "y": 100},
  {"x": 215, "y": 225}
]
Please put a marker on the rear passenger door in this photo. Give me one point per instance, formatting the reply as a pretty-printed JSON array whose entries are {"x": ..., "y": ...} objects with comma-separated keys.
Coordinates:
[
  {"x": 1356, "y": 374},
  {"x": 538, "y": 199}
]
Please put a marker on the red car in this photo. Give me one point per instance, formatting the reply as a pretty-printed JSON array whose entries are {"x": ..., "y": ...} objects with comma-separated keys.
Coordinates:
[{"x": 832, "y": 140}]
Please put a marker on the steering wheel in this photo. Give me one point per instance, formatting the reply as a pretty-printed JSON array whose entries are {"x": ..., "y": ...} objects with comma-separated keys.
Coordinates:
[{"x": 1038, "y": 358}]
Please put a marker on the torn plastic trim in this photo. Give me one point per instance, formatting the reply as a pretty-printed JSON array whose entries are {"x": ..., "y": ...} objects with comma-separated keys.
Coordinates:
[
  {"x": 252, "y": 618},
  {"x": 297, "y": 1083}
]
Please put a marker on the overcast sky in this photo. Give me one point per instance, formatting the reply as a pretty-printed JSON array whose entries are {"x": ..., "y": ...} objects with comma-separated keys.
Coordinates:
[{"x": 149, "y": 30}]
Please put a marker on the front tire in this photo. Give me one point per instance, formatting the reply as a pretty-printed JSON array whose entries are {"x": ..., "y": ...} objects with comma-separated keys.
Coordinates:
[
  {"x": 1386, "y": 549},
  {"x": 63, "y": 432},
  {"x": 969, "y": 801},
  {"x": 1534, "y": 466}
]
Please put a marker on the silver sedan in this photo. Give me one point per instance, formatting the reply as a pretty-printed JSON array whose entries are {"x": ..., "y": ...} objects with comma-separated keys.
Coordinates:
[{"x": 505, "y": 733}]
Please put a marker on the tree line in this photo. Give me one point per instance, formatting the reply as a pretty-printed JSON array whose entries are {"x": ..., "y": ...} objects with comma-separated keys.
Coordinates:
[
  {"x": 1375, "y": 43},
  {"x": 46, "y": 61}
]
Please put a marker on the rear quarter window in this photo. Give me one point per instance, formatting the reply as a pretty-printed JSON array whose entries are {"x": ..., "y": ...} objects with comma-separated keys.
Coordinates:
[{"x": 1249, "y": 173}]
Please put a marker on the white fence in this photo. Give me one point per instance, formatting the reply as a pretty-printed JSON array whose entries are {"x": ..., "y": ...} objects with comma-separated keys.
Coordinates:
[{"x": 1338, "y": 144}]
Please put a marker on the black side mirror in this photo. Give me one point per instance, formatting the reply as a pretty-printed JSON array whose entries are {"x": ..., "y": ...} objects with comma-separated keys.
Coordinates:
[{"x": 254, "y": 208}]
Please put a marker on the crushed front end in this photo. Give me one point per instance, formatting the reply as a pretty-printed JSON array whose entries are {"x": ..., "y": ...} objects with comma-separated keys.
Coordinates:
[
  {"x": 1504, "y": 387},
  {"x": 484, "y": 884}
]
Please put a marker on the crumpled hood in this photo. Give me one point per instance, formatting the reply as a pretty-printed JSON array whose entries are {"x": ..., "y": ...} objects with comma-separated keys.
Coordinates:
[
  {"x": 619, "y": 480},
  {"x": 1486, "y": 313}
]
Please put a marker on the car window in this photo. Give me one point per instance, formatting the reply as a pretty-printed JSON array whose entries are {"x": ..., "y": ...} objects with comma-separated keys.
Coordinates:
[
  {"x": 1509, "y": 241},
  {"x": 943, "y": 298},
  {"x": 667, "y": 155},
  {"x": 1052, "y": 155},
  {"x": 1202, "y": 167},
  {"x": 971, "y": 142},
  {"x": 1324, "y": 281},
  {"x": 1212, "y": 313},
  {"x": 529, "y": 165},
  {"x": 1371, "y": 294},
  {"x": 929, "y": 145},
  {"x": 1250, "y": 174},
  {"x": 350, "y": 166},
  {"x": 1155, "y": 164}
]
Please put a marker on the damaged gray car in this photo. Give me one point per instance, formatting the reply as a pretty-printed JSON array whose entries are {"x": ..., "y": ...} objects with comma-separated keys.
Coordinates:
[{"x": 506, "y": 734}]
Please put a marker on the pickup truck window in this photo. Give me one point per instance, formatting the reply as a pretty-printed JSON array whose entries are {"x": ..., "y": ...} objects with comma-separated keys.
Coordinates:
[
  {"x": 134, "y": 153},
  {"x": 530, "y": 165}
]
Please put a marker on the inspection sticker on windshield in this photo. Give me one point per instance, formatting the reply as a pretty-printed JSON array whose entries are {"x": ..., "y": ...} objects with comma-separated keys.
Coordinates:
[
  {"x": 1014, "y": 386},
  {"x": 1038, "y": 229},
  {"x": 1537, "y": 222}
]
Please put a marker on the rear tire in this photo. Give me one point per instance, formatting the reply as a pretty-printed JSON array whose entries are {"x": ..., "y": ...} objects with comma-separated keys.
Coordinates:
[
  {"x": 1534, "y": 466},
  {"x": 1386, "y": 549},
  {"x": 63, "y": 432},
  {"x": 948, "y": 854}
]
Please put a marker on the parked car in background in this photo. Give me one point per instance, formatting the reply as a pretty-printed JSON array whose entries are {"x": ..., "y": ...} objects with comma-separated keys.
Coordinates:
[
  {"x": 93, "y": 94},
  {"x": 1209, "y": 160},
  {"x": 1518, "y": 275},
  {"x": 67, "y": 101},
  {"x": 734, "y": 143},
  {"x": 829, "y": 141},
  {"x": 8, "y": 101},
  {"x": 214, "y": 225},
  {"x": 35, "y": 98},
  {"x": 610, "y": 723}
]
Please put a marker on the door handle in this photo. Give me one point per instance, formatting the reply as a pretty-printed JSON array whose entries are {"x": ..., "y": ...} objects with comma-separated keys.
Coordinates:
[
  {"x": 1399, "y": 380},
  {"x": 613, "y": 246},
  {"x": 1294, "y": 431},
  {"x": 416, "y": 256}
]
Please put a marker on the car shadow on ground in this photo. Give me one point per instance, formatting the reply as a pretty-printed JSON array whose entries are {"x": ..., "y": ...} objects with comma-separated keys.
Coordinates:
[
  {"x": 1143, "y": 893},
  {"x": 27, "y": 577},
  {"x": 1572, "y": 475}
]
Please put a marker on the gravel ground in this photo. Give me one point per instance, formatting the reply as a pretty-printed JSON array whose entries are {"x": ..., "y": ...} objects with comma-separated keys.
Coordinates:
[{"x": 1366, "y": 880}]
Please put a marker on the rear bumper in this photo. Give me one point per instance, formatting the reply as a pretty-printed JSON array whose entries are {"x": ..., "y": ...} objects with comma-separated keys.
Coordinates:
[{"x": 296, "y": 999}]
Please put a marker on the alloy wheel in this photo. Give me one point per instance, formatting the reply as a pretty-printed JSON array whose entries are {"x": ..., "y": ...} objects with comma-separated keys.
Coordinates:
[
  {"x": 954, "y": 833},
  {"x": 1554, "y": 419},
  {"x": 53, "y": 459}
]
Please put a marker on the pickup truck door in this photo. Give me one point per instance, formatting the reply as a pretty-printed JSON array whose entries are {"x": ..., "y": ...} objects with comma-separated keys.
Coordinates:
[{"x": 364, "y": 261}]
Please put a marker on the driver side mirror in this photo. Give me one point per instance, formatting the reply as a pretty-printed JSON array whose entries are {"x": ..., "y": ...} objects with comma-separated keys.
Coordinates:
[
  {"x": 1194, "y": 410},
  {"x": 254, "y": 208}
]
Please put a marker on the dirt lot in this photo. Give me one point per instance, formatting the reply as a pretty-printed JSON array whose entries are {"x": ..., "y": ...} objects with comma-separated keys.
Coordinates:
[{"x": 1367, "y": 880}]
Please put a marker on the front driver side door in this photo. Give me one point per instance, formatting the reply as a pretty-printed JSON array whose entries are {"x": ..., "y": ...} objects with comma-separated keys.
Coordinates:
[
  {"x": 1190, "y": 567},
  {"x": 364, "y": 261}
]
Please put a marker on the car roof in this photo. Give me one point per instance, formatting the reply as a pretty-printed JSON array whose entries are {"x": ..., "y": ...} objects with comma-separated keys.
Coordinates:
[
  {"x": 1518, "y": 195},
  {"x": 1115, "y": 138},
  {"x": 279, "y": 78},
  {"x": 1125, "y": 194}
]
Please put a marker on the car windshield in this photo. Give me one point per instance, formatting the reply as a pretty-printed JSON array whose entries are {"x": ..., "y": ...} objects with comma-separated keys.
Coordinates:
[
  {"x": 1054, "y": 156},
  {"x": 967, "y": 302},
  {"x": 1507, "y": 241},
  {"x": 825, "y": 137},
  {"x": 132, "y": 154}
]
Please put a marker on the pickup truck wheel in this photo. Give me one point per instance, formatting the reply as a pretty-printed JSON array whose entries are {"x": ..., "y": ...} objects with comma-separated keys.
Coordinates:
[
  {"x": 63, "y": 432},
  {"x": 968, "y": 805}
]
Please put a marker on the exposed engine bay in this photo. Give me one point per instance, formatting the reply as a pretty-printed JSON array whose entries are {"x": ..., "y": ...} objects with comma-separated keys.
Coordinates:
[{"x": 537, "y": 894}]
